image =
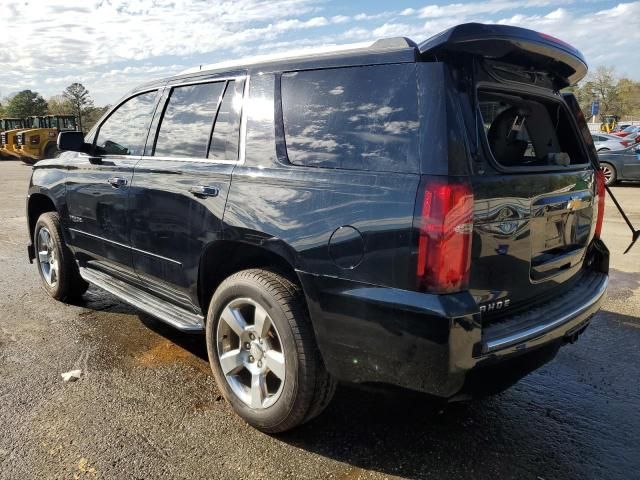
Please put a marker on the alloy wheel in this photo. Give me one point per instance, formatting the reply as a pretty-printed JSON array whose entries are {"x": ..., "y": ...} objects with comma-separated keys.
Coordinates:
[
  {"x": 250, "y": 353},
  {"x": 47, "y": 256},
  {"x": 607, "y": 172}
]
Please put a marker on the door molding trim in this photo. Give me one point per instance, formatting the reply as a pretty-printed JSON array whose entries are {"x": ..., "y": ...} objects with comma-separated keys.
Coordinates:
[{"x": 75, "y": 230}]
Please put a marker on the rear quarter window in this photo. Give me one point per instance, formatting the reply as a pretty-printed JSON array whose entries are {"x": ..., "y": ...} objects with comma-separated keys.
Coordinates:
[{"x": 358, "y": 118}]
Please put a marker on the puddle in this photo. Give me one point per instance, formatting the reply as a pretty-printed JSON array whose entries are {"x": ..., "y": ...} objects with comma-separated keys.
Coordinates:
[
  {"x": 163, "y": 353},
  {"x": 126, "y": 335}
]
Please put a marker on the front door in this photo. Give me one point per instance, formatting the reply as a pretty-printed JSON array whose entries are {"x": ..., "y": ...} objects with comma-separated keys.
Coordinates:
[
  {"x": 180, "y": 187},
  {"x": 98, "y": 187}
]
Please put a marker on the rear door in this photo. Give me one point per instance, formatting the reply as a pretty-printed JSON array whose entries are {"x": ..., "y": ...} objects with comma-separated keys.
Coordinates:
[
  {"x": 98, "y": 187},
  {"x": 533, "y": 182},
  {"x": 180, "y": 186},
  {"x": 535, "y": 203}
]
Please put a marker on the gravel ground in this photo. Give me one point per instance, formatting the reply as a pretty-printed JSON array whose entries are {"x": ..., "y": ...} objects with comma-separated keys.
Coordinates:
[{"x": 147, "y": 405}]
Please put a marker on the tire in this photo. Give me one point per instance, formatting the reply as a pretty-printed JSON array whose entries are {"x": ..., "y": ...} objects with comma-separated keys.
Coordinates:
[
  {"x": 58, "y": 270},
  {"x": 610, "y": 174},
  {"x": 296, "y": 385}
]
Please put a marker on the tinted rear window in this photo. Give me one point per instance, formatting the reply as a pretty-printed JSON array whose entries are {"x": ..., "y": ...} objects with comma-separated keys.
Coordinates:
[
  {"x": 363, "y": 118},
  {"x": 226, "y": 134},
  {"x": 187, "y": 121}
]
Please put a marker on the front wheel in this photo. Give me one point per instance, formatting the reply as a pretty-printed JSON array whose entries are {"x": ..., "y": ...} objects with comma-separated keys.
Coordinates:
[
  {"x": 263, "y": 353},
  {"x": 609, "y": 172},
  {"x": 58, "y": 270}
]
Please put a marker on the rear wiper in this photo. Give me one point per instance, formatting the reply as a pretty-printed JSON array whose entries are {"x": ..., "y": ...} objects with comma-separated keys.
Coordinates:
[{"x": 635, "y": 234}]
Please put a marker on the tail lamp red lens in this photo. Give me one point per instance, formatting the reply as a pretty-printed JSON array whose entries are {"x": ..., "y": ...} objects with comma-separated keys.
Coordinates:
[
  {"x": 444, "y": 221},
  {"x": 600, "y": 192}
]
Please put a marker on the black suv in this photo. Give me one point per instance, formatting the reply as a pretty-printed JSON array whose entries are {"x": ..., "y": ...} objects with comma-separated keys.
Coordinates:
[{"x": 426, "y": 216}]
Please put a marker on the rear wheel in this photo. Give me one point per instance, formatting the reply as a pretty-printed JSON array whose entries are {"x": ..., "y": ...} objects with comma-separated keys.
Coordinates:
[
  {"x": 58, "y": 270},
  {"x": 263, "y": 353},
  {"x": 610, "y": 174}
]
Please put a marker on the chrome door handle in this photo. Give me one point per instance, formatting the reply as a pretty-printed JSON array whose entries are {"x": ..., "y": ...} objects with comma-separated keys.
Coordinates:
[
  {"x": 118, "y": 182},
  {"x": 204, "y": 191}
]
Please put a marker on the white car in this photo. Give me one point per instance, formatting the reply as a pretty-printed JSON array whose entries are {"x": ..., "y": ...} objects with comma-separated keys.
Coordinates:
[{"x": 604, "y": 142}]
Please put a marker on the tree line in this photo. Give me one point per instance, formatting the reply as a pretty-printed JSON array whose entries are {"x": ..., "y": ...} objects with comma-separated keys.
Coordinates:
[
  {"x": 74, "y": 100},
  {"x": 616, "y": 95}
]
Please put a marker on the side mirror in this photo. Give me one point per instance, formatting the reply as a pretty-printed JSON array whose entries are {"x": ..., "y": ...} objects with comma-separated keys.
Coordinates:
[{"x": 72, "y": 141}]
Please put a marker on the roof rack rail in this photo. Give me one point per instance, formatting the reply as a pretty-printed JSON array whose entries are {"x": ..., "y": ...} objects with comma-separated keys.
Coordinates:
[{"x": 382, "y": 44}]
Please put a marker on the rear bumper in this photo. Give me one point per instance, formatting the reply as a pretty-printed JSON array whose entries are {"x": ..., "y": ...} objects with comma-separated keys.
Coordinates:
[{"x": 436, "y": 343}]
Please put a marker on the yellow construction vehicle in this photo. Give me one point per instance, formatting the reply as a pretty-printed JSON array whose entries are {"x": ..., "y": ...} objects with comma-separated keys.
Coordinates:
[
  {"x": 39, "y": 141},
  {"x": 11, "y": 123},
  {"x": 609, "y": 123},
  {"x": 8, "y": 129}
]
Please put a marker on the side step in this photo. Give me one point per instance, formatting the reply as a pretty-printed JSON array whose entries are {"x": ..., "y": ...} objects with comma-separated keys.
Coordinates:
[{"x": 173, "y": 315}]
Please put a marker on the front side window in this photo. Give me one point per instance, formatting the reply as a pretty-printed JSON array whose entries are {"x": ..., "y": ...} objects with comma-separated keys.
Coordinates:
[
  {"x": 363, "y": 118},
  {"x": 124, "y": 132},
  {"x": 187, "y": 121}
]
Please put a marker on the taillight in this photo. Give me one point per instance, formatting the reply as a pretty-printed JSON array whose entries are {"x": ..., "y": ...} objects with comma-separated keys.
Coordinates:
[
  {"x": 625, "y": 144},
  {"x": 600, "y": 192},
  {"x": 444, "y": 223}
]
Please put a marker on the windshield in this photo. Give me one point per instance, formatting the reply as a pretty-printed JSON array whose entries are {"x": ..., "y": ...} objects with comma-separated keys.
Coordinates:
[{"x": 67, "y": 123}]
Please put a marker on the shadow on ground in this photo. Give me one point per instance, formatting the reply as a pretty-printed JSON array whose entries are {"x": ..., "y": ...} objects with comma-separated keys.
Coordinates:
[{"x": 550, "y": 425}]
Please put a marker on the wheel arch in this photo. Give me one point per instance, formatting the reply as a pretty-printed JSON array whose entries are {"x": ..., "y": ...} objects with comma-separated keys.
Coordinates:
[
  {"x": 37, "y": 204},
  {"x": 223, "y": 258}
]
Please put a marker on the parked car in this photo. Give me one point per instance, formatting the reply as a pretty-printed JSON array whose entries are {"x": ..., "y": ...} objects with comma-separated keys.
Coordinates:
[
  {"x": 620, "y": 127},
  {"x": 604, "y": 142},
  {"x": 621, "y": 165},
  {"x": 339, "y": 217},
  {"x": 630, "y": 130}
]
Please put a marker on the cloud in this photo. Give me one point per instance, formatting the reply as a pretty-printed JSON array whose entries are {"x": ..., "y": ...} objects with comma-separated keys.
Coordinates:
[{"x": 111, "y": 45}]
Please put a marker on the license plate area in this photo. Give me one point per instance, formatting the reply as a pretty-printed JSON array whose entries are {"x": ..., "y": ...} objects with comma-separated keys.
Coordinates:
[{"x": 560, "y": 231}]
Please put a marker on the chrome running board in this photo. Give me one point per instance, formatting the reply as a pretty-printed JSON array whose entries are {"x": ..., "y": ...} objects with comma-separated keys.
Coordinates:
[{"x": 173, "y": 315}]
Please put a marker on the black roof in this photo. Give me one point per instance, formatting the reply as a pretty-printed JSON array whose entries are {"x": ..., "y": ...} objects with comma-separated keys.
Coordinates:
[{"x": 387, "y": 50}]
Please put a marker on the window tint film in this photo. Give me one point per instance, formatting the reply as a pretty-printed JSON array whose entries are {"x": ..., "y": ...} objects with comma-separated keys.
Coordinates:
[
  {"x": 226, "y": 133},
  {"x": 125, "y": 131},
  {"x": 186, "y": 124},
  {"x": 354, "y": 118}
]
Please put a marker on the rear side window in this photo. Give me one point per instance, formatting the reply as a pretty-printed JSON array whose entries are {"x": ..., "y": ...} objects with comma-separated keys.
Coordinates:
[
  {"x": 529, "y": 132},
  {"x": 226, "y": 133},
  {"x": 187, "y": 121},
  {"x": 363, "y": 118}
]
